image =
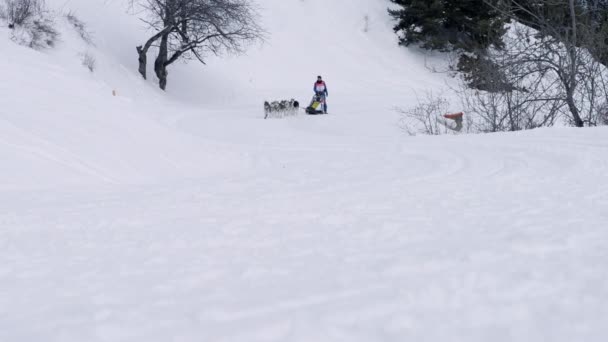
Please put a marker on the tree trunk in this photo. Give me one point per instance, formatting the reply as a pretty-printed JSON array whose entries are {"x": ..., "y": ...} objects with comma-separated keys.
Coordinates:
[
  {"x": 143, "y": 61},
  {"x": 574, "y": 63},
  {"x": 160, "y": 65},
  {"x": 578, "y": 122},
  {"x": 142, "y": 51}
]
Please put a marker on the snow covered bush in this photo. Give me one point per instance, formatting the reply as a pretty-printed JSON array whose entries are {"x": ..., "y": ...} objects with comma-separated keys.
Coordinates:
[
  {"x": 38, "y": 34},
  {"x": 88, "y": 61},
  {"x": 80, "y": 27},
  {"x": 31, "y": 23},
  {"x": 19, "y": 12}
]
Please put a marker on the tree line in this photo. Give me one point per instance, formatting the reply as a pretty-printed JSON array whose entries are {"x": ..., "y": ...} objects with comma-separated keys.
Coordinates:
[{"x": 526, "y": 63}]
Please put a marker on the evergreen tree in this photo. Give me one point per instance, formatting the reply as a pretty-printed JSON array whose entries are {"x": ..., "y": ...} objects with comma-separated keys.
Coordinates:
[{"x": 469, "y": 25}]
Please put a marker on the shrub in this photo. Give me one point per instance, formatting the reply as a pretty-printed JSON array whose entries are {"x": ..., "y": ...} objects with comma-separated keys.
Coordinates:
[
  {"x": 80, "y": 28},
  {"x": 32, "y": 25},
  {"x": 425, "y": 117},
  {"x": 19, "y": 12},
  {"x": 88, "y": 61}
]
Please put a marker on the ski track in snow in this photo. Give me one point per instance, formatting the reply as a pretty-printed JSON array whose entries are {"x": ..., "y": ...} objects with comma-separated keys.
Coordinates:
[{"x": 480, "y": 236}]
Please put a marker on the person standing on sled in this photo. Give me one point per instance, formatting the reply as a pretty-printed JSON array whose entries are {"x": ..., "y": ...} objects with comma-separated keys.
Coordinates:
[{"x": 320, "y": 90}]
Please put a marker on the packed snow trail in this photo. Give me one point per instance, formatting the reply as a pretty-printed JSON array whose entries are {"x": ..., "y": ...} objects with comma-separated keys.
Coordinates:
[{"x": 470, "y": 238}]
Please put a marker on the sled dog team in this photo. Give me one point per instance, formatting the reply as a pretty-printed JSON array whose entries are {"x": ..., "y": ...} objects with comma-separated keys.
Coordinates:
[
  {"x": 281, "y": 108},
  {"x": 318, "y": 105}
]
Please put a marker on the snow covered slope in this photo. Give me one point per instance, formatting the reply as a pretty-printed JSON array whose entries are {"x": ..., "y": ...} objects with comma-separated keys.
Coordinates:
[{"x": 184, "y": 216}]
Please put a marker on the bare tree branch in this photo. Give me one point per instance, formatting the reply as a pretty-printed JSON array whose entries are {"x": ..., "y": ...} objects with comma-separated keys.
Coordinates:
[{"x": 195, "y": 29}]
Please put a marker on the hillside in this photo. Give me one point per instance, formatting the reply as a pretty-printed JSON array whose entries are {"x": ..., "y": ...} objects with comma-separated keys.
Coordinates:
[{"x": 185, "y": 216}]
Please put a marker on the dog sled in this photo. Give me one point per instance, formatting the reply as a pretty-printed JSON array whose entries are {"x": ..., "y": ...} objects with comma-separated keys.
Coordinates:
[
  {"x": 316, "y": 105},
  {"x": 281, "y": 109}
]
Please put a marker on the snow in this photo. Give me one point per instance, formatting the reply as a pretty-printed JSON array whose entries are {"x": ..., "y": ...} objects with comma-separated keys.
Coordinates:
[{"x": 187, "y": 217}]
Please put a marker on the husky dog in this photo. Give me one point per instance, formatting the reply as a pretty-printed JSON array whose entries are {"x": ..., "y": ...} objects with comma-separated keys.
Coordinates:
[{"x": 280, "y": 109}]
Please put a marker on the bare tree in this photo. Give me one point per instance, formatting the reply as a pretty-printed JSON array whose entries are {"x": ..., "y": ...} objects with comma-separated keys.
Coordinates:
[
  {"x": 195, "y": 29},
  {"x": 557, "y": 42},
  {"x": 505, "y": 95},
  {"x": 509, "y": 111}
]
